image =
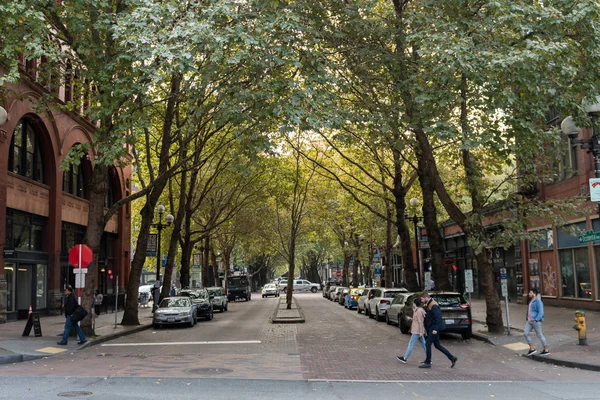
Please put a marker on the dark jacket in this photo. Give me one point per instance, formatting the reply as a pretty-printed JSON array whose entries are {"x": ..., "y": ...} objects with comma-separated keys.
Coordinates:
[
  {"x": 433, "y": 319},
  {"x": 70, "y": 304}
]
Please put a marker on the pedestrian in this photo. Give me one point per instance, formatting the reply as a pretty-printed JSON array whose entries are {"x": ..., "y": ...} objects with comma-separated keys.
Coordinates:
[
  {"x": 144, "y": 299},
  {"x": 70, "y": 306},
  {"x": 417, "y": 330},
  {"x": 98, "y": 298},
  {"x": 431, "y": 284},
  {"x": 434, "y": 324},
  {"x": 534, "y": 319},
  {"x": 173, "y": 291}
]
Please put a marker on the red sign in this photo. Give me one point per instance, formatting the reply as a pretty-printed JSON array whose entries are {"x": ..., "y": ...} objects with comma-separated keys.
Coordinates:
[
  {"x": 338, "y": 274},
  {"x": 85, "y": 257}
]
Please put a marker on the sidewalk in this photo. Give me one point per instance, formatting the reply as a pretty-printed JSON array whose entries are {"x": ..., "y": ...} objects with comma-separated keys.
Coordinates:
[
  {"x": 558, "y": 329},
  {"x": 16, "y": 348}
]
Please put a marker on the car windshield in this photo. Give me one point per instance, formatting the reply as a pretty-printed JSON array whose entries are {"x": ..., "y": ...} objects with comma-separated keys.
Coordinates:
[
  {"x": 448, "y": 300},
  {"x": 390, "y": 294},
  {"x": 215, "y": 292},
  {"x": 270, "y": 286},
  {"x": 356, "y": 291},
  {"x": 174, "y": 302}
]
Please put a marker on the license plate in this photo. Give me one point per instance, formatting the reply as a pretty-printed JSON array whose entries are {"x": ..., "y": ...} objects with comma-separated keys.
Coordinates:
[
  {"x": 449, "y": 321},
  {"x": 170, "y": 319}
]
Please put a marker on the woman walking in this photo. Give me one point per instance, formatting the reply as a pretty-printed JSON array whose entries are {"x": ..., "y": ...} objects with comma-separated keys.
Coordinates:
[{"x": 417, "y": 330}]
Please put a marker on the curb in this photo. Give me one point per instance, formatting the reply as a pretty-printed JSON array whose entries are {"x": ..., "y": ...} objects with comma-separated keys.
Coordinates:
[
  {"x": 16, "y": 358},
  {"x": 300, "y": 320},
  {"x": 565, "y": 363}
]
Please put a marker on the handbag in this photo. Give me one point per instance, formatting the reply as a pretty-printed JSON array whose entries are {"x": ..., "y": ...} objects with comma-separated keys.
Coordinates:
[{"x": 78, "y": 314}]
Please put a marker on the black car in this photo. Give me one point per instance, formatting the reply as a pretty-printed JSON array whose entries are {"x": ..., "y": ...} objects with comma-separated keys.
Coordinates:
[
  {"x": 456, "y": 312},
  {"x": 201, "y": 298}
]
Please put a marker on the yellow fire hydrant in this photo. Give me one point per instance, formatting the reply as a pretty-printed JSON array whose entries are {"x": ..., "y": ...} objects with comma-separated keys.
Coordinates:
[{"x": 580, "y": 326}]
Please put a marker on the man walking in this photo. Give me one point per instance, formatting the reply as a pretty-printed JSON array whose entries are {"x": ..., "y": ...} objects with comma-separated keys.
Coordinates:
[
  {"x": 434, "y": 324},
  {"x": 534, "y": 319},
  {"x": 70, "y": 306}
]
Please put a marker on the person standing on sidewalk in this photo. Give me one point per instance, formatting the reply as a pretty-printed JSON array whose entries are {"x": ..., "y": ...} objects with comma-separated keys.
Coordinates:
[
  {"x": 417, "y": 330},
  {"x": 435, "y": 325},
  {"x": 534, "y": 319},
  {"x": 70, "y": 306},
  {"x": 98, "y": 298}
]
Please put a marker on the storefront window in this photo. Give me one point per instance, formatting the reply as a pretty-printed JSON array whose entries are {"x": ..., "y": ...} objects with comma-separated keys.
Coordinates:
[
  {"x": 9, "y": 274},
  {"x": 41, "y": 293},
  {"x": 575, "y": 273}
]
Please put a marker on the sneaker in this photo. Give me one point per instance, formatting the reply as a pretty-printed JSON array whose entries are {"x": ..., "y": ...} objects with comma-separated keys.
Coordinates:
[
  {"x": 545, "y": 353},
  {"x": 61, "y": 343},
  {"x": 401, "y": 359},
  {"x": 425, "y": 365},
  {"x": 82, "y": 341},
  {"x": 531, "y": 352},
  {"x": 454, "y": 359}
]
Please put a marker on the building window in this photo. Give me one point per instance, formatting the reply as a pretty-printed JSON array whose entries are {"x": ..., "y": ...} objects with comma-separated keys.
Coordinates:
[
  {"x": 73, "y": 181},
  {"x": 72, "y": 234},
  {"x": 574, "y": 272},
  {"x": 24, "y": 231},
  {"x": 24, "y": 155}
]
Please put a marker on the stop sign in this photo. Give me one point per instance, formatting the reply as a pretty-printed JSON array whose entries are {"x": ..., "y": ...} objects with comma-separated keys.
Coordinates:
[{"x": 74, "y": 256}]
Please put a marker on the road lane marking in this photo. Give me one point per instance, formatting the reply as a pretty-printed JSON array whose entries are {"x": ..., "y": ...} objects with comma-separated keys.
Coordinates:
[{"x": 183, "y": 343}]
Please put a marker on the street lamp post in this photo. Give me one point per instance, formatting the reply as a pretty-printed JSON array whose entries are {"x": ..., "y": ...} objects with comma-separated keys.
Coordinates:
[
  {"x": 414, "y": 203},
  {"x": 592, "y": 145},
  {"x": 159, "y": 226}
]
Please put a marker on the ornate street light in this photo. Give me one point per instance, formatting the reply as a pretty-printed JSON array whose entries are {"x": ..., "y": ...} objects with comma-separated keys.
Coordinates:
[
  {"x": 159, "y": 226},
  {"x": 414, "y": 203}
]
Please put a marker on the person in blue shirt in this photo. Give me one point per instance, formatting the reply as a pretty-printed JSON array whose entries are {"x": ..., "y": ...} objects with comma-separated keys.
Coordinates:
[{"x": 533, "y": 320}]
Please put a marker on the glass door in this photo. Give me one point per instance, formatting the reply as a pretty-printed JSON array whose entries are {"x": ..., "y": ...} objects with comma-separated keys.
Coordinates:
[
  {"x": 9, "y": 273},
  {"x": 24, "y": 292}
]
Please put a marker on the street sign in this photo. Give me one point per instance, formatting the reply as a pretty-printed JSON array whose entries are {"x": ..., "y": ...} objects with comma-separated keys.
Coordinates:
[
  {"x": 80, "y": 256},
  {"x": 469, "y": 280},
  {"x": 594, "y": 189},
  {"x": 589, "y": 236}
]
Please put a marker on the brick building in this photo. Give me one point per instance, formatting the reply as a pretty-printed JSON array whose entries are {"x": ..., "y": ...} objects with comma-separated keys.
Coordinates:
[{"x": 43, "y": 209}]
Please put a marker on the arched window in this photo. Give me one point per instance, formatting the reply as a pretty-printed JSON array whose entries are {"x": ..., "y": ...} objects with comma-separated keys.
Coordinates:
[
  {"x": 24, "y": 156},
  {"x": 73, "y": 181}
]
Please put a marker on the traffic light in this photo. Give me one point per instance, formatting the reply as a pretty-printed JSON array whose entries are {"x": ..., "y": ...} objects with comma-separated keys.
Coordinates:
[
  {"x": 454, "y": 268},
  {"x": 110, "y": 274}
]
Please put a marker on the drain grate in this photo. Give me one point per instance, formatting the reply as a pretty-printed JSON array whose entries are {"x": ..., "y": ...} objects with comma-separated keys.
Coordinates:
[
  {"x": 208, "y": 371},
  {"x": 74, "y": 394}
]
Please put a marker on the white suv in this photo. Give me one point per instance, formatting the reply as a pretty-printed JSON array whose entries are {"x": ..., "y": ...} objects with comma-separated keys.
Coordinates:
[
  {"x": 380, "y": 300},
  {"x": 218, "y": 298}
]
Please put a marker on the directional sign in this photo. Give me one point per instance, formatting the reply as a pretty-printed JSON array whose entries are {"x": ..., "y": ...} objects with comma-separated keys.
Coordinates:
[
  {"x": 469, "y": 280},
  {"x": 589, "y": 236}
]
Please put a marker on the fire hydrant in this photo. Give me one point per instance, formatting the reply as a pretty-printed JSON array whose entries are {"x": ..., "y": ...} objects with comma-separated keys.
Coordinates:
[{"x": 580, "y": 326}]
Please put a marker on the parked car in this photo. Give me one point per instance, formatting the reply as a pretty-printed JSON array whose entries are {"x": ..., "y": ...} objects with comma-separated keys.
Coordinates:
[
  {"x": 380, "y": 300},
  {"x": 175, "y": 310},
  {"x": 201, "y": 299},
  {"x": 392, "y": 316},
  {"x": 270, "y": 289},
  {"x": 335, "y": 295},
  {"x": 362, "y": 300},
  {"x": 301, "y": 285},
  {"x": 342, "y": 297},
  {"x": 218, "y": 298},
  {"x": 328, "y": 286},
  {"x": 331, "y": 292},
  {"x": 352, "y": 298},
  {"x": 456, "y": 312}
]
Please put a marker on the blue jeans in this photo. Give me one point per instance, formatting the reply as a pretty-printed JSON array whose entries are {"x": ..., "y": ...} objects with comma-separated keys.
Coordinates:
[
  {"x": 435, "y": 340},
  {"x": 68, "y": 325},
  {"x": 537, "y": 327},
  {"x": 413, "y": 339}
]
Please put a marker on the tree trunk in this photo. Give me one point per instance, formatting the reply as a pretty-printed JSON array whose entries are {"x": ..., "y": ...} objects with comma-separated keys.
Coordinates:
[
  {"x": 493, "y": 317},
  {"x": 93, "y": 239},
  {"x": 291, "y": 272}
]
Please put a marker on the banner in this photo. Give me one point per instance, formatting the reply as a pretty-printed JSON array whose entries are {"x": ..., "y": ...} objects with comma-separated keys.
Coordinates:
[{"x": 151, "y": 248}]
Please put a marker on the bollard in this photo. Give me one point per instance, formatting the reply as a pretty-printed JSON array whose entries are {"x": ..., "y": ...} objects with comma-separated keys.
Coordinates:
[{"x": 580, "y": 326}]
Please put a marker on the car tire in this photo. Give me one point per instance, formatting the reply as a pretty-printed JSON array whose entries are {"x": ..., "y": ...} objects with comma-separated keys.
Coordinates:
[
  {"x": 467, "y": 334},
  {"x": 377, "y": 316},
  {"x": 358, "y": 309},
  {"x": 368, "y": 313},
  {"x": 264, "y": 296},
  {"x": 226, "y": 307},
  {"x": 313, "y": 289},
  {"x": 402, "y": 324},
  {"x": 387, "y": 319},
  {"x": 155, "y": 326},
  {"x": 209, "y": 316}
]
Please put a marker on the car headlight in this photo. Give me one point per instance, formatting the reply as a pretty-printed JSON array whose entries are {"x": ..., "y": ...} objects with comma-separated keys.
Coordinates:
[{"x": 185, "y": 314}]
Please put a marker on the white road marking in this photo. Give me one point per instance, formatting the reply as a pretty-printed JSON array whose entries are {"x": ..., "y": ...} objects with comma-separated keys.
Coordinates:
[{"x": 182, "y": 343}]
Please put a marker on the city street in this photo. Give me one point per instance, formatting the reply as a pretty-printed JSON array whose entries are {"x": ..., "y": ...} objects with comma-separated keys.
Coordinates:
[{"x": 327, "y": 356}]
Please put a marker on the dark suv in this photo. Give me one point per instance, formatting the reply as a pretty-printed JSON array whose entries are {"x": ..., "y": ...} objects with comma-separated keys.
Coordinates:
[
  {"x": 201, "y": 298},
  {"x": 456, "y": 312}
]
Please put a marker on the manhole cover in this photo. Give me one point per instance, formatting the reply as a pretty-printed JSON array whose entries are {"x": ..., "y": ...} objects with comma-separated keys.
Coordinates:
[
  {"x": 208, "y": 371},
  {"x": 74, "y": 394}
]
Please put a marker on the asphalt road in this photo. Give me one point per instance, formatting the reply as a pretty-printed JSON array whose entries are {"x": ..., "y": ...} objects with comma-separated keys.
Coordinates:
[{"x": 336, "y": 354}]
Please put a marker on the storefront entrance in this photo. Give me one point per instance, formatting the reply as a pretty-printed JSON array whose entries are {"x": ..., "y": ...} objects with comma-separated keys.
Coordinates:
[{"x": 27, "y": 285}]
